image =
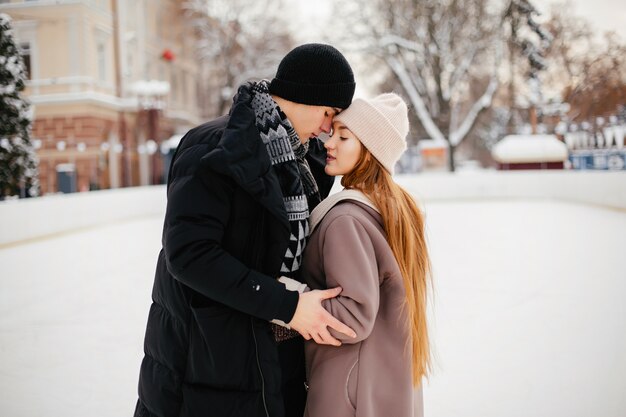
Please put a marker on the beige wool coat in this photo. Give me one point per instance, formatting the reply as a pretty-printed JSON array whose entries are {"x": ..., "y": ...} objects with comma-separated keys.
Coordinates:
[{"x": 369, "y": 376}]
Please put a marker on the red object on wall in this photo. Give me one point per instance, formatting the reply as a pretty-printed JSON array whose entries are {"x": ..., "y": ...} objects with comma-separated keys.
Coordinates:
[{"x": 167, "y": 55}]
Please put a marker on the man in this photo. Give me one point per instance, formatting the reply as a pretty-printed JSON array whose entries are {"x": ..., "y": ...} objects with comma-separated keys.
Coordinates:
[{"x": 240, "y": 191}]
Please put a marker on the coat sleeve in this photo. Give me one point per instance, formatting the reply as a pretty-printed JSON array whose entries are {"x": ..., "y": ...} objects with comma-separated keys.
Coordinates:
[
  {"x": 196, "y": 218},
  {"x": 350, "y": 262}
]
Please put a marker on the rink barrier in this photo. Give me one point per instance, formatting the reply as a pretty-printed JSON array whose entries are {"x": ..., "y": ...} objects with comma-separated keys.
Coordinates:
[
  {"x": 36, "y": 218},
  {"x": 598, "y": 188}
]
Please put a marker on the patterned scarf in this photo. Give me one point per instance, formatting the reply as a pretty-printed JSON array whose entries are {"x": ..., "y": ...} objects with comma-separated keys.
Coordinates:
[{"x": 297, "y": 183}]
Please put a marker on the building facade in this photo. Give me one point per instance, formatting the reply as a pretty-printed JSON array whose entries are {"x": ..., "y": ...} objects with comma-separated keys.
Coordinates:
[{"x": 109, "y": 81}]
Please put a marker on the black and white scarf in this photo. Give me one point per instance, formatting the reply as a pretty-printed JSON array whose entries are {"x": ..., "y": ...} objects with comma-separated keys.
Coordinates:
[{"x": 287, "y": 154}]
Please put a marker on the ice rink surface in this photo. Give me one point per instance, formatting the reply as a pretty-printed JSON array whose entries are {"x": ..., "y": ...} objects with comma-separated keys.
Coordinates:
[{"x": 529, "y": 314}]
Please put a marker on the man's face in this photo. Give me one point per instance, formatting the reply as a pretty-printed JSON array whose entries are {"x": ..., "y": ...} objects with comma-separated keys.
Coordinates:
[{"x": 310, "y": 121}]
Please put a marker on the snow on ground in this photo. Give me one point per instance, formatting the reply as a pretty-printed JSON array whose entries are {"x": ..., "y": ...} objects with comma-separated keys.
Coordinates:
[
  {"x": 529, "y": 318},
  {"x": 72, "y": 317},
  {"x": 529, "y": 313}
]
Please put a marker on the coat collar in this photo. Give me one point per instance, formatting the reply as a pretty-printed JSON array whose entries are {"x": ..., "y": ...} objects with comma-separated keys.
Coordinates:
[
  {"x": 241, "y": 155},
  {"x": 324, "y": 207}
]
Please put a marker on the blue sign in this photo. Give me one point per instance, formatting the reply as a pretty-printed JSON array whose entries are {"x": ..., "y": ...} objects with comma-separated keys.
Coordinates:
[{"x": 599, "y": 159}]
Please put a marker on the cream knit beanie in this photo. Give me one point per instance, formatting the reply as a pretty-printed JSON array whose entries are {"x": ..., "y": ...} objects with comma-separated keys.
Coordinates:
[{"x": 381, "y": 124}]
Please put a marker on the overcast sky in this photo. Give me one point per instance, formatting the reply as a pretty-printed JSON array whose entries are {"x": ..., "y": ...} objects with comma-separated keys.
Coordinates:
[
  {"x": 604, "y": 15},
  {"x": 311, "y": 20}
]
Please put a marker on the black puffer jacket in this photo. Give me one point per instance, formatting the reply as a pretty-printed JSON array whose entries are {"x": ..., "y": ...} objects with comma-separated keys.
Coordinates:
[{"x": 209, "y": 350}]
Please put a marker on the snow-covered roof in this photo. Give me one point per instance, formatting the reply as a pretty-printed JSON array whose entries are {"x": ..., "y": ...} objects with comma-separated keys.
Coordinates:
[
  {"x": 529, "y": 148},
  {"x": 432, "y": 144}
]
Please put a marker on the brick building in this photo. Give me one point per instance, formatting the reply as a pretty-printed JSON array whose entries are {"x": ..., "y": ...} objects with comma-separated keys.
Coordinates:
[{"x": 85, "y": 59}]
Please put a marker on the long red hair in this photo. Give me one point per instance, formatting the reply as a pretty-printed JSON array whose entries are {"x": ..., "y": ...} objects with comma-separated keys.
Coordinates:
[{"x": 404, "y": 225}]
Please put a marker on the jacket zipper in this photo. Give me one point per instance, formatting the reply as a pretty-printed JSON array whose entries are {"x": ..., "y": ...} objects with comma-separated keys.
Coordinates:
[
  {"x": 258, "y": 363},
  {"x": 306, "y": 369}
]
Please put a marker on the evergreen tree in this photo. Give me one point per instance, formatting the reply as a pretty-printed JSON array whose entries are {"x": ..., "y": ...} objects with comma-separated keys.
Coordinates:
[
  {"x": 18, "y": 161},
  {"x": 521, "y": 15}
]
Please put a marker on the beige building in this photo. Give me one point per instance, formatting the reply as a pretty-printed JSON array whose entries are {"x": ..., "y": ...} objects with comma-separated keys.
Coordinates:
[{"x": 109, "y": 80}]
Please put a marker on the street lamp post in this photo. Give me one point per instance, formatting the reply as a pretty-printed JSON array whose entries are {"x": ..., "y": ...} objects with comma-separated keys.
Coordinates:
[{"x": 150, "y": 97}]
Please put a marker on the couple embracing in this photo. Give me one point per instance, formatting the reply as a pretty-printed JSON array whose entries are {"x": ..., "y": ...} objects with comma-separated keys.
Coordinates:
[{"x": 272, "y": 298}]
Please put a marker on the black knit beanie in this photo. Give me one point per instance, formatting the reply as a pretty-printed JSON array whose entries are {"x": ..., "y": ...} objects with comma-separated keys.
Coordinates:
[{"x": 314, "y": 74}]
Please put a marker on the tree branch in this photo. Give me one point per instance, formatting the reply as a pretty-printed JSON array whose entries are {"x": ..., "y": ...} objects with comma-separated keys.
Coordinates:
[{"x": 422, "y": 113}]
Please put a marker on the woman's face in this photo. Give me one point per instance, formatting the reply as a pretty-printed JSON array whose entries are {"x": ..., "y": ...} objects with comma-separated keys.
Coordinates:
[{"x": 343, "y": 151}]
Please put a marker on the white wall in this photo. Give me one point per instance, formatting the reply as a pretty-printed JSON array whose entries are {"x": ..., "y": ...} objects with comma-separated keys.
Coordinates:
[{"x": 34, "y": 218}]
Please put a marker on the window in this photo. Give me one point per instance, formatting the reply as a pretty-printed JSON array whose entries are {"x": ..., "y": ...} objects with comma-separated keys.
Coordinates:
[
  {"x": 24, "y": 48},
  {"x": 199, "y": 93},
  {"x": 101, "y": 51},
  {"x": 129, "y": 65}
]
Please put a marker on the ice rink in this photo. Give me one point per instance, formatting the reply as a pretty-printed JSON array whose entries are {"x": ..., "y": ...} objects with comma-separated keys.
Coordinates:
[{"x": 529, "y": 313}]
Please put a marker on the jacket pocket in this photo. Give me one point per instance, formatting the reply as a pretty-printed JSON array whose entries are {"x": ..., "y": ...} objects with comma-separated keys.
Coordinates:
[
  {"x": 351, "y": 384},
  {"x": 221, "y": 349}
]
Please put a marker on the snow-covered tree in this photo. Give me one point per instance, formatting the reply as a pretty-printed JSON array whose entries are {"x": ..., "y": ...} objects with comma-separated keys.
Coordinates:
[
  {"x": 438, "y": 51},
  {"x": 530, "y": 40},
  {"x": 18, "y": 162},
  {"x": 237, "y": 40}
]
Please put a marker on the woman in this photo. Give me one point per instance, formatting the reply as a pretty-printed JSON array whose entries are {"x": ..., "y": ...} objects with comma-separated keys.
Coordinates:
[{"x": 369, "y": 240}]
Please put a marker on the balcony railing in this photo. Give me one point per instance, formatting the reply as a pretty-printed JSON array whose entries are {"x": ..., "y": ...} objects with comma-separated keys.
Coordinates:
[{"x": 97, "y": 4}]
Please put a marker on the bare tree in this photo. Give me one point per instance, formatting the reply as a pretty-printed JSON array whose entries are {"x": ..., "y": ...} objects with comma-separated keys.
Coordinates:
[
  {"x": 437, "y": 50},
  {"x": 600, "y": 87},
  {"x": 237, "y": 40},
  {"x": 590, "y": 69},
  {"x": 573, "y": 38}
]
